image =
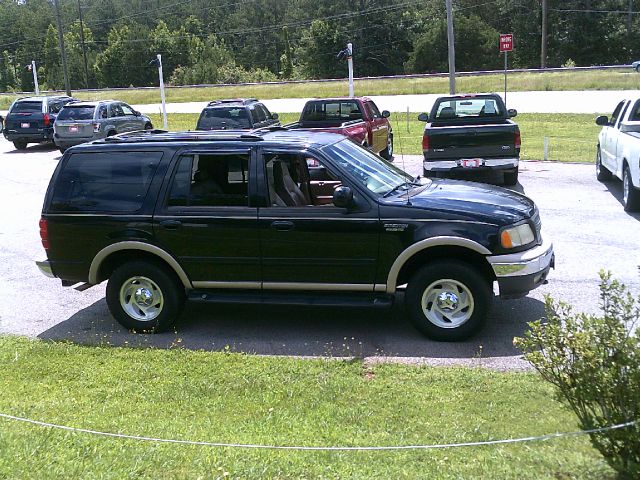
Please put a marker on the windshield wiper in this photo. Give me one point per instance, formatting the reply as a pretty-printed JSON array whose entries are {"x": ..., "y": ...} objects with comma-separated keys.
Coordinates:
[{"x": 397, "y": 187}]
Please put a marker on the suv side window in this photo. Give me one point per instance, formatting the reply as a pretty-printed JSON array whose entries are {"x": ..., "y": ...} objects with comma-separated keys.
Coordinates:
[
  {"x": 373, "y": 110},
  {"x": 55, "y": 107},
  {"x": 102, "y": 112},
  {"x": 298, "y": 180},
  {"x": 127, "y": 110},
  {"x": 615, "y": 114},
  {"x": 116, "y": 111},
  {"x": 210, "y": 179},
  {"x": 105, "y": 182},
  {"x": 264, "y": 111}
]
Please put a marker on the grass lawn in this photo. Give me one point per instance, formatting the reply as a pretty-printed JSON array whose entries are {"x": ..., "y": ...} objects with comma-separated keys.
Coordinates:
[
  {"x": 225, "y": 397},
  {"x": 619, "y": 79},
  {"x": 572, "y": 137}
]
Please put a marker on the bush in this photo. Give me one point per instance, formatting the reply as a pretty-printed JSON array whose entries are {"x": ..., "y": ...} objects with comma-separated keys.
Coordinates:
[{"x": 594, "y": 361}]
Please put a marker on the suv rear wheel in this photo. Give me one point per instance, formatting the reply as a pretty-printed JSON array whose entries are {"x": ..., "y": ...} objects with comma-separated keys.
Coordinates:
[
  {"x": 20, "y": 144},
  {"x": 602, "y": 173},
  {"x": 144, "y": 296},
  {"x": 387, "y": 153},
  {"x": 630, "y": 195},
  {"x": 448, "y": 300}
]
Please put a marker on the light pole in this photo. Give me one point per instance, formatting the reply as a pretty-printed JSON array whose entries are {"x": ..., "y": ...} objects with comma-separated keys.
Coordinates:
[
  {"x": 158, "y": 63},
  {"x": 452, "y": 50},
  {"x": 348, "y": 54},
  {"x": 35, "y": 77}
]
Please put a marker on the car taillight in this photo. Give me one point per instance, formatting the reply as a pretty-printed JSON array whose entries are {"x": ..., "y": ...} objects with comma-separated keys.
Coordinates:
[
  {"x": 96, "y": 127},
  {"x": 518, "y": 141},
  {"x": 47, "y": 120},
  {"x": 44, "y": 233},
  {"x": 425, "y": 142}
]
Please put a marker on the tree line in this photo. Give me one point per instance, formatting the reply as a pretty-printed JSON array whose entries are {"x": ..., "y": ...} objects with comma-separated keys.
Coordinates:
[{"x": 233, "y": 41}]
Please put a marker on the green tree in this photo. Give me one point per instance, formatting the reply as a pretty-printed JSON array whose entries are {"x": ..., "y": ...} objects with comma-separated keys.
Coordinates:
[
  {"x": 50, "y": 71},
  {"x": 8, "y": 79},
  {"x": 317, "y": 53}
]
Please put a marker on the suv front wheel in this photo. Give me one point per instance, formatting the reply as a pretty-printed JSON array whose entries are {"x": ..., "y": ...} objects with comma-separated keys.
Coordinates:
[
  {"x": 448, "y": 300},
  {"x": 144, "y": 296}
]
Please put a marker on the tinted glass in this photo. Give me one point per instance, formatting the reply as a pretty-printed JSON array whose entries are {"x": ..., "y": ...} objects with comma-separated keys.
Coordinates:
[
  {"x": 260, "y": 112},
  {"x": 204, "y": 180},
  {"x": 126, "y": 109},
  {"x": 374, "y": 110},
  {"x": 27, "y": 107},
  {"x": 104, "y": 182},
  {"x": 266, "y": 111},
  {"x": 76, "y": 113},
  {"x": 341, "y": 111},
  {"x": 224, "y": 118}
]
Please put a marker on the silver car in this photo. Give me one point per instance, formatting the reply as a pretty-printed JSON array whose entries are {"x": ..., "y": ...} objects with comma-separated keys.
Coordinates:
[{"x": 80, "y": 122}]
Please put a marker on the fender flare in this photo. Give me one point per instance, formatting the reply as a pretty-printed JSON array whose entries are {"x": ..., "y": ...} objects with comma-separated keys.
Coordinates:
[
  {"x": 133, "y": 245},
  {"x": 422, "y": 245}
]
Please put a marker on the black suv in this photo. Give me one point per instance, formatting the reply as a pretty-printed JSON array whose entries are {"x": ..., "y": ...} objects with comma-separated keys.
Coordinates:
[
  {"x": 282, "y": 217},
  {"x": 30, "y": 119},
  {"x": 236, "y": 114}
]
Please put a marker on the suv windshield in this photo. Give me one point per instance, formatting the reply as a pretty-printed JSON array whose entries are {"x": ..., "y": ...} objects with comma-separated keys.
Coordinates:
[
  {"x": 221, "y": 118},
  {"x": 27, "y": 107},
  {"x": 373, "y": 172},
  {"x": 76, "y": 113}
]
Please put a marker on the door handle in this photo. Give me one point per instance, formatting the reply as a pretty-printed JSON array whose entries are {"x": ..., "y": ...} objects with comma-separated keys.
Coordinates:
[
  {"x": 282, "y": 225},
  {"x": 171, "y": 224}
]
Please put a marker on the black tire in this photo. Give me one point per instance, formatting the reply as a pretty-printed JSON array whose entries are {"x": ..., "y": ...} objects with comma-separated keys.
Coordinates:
[
  {"x": 387, "y": 153},
  {"x": 148, "y": 126},
  {"x": 62, "y": 149},
  {"x": 638, "y": 68},
  {"x": 111, "y": 133},
  {"x": 20, "y": 144},
  {"x": 603, "y": 174},
  {"x": 165, "y": 296},
  {"x": 630, "y": 194},
  {"x": 511, "y": 177},
  {"x": 469, "y": 286}
]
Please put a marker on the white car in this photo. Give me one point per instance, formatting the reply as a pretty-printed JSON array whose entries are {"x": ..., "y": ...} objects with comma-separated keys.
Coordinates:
[
  {"x": 618, "y": 150},
  {"x": 636, "y": 66}
]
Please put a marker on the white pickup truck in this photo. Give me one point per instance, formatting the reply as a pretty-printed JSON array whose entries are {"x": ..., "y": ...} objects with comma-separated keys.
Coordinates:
[{"x": 618, "y": 150}]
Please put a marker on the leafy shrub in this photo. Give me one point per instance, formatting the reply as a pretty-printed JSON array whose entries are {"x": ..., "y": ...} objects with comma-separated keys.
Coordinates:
[
  {"x": 569, "y": 64},
  {"x": 594, "y": 361}
]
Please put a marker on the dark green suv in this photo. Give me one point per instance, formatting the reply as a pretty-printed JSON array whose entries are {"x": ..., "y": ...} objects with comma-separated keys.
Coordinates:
[{"x": 236, "y": 114}]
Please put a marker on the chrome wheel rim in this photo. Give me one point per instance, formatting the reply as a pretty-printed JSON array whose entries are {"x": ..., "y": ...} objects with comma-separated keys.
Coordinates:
[
  {"x": 598, "y": 163},
  {"x": 390, "y": 145},
  {"x": 625, "y": 186},
  {"x": 447, "y": 303},
  {"x": 141, "y": 298}
]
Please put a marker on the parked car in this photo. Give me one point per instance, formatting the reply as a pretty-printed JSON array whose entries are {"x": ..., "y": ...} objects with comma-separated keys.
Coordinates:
[
  {"x": 1, "y": 123},
  {"x": 81, "y": 122},
  {"x": 292, "y": 217},
  {"x": 636, "y": 66},
  {"x": 618, "y": 150},
  {"x": 236, "y": 114},
  {"x": 472, "y": 132},
  {"x": 31, "y": 119},
  {"x": 357, "y": 118}
]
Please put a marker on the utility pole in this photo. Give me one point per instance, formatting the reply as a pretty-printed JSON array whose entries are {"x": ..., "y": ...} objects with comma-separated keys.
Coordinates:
[
  {"x": 157, "y": 62},
  {"x": 350, "y": 65},
  {"x": 452, "y": 50},
  {"x": 35, "y": 77},
  {"x": 543, "y": 45},
  {"x": 84, "y": 48},
  {"x": 62, "y": 51}
]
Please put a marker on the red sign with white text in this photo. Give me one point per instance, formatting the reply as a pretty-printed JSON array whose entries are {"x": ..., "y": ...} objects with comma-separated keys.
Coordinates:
[{"x": 506, "y": 42}]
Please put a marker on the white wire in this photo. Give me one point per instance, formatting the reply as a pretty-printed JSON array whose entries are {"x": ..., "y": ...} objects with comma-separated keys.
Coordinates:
[{"x": 323, "y": 448}]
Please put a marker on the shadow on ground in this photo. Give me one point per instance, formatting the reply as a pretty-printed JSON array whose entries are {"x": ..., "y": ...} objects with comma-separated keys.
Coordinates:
[
  {"x": 37, "y": 147},
  {"x": 615, "y": 188},
  {"x": 303, "y": 331}
]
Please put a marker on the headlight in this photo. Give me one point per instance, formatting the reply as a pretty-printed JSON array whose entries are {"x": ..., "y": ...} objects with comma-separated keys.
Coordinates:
[{"x": 516, "y": 236}]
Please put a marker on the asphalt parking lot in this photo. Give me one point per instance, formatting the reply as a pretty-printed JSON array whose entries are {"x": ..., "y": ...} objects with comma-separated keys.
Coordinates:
[{"x": 583, "y": 217}]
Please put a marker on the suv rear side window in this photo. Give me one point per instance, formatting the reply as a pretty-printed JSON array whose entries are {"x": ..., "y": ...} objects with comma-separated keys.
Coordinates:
[
  {"x": 104, "y": 182},
  {"x": 224, "y": 118},
  {"x": 208, "y": 180},
  {"x": 27, "y": 107},
  {"x": 76, "y": 113}
]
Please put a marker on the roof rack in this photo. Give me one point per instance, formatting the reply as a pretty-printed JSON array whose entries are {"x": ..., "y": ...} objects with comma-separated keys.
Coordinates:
[
  {"x": 244, "y": 101},
  {"x": 164, "y": 136}
]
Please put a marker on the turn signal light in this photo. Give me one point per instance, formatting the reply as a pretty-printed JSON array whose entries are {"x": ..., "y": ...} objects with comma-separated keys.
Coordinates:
[
  {"x": 425, "y": 142},
  {"x": 44, "y": 233}
]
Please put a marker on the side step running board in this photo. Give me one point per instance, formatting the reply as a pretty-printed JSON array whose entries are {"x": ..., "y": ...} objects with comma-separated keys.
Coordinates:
[{"x": 295, "y": 298}]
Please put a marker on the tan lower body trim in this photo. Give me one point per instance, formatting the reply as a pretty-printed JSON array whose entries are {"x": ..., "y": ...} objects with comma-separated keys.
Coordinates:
[{"x": 326, "y": 287}]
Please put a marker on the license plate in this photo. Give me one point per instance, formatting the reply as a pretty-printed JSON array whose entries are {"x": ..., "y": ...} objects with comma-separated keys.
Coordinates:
[
  {"x": 25, "y": 125},
  {"x": 471, "y": 162},
  {"x": 73, "y": 129}
]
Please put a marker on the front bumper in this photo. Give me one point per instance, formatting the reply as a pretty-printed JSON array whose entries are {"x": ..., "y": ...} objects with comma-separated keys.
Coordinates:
[
  {"x": 469, "y": 164},
  {"x": 519, "y": 273}
]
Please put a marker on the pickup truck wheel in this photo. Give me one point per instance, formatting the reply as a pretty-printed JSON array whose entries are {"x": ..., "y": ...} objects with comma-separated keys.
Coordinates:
[
  {"x": 20, "y": 145},
  {"x": 511, "y": 177},
  {"x": 630, "y": 194},
  {"x": 448, "y": 300},
  {"x": 143, "y": 296},
  {"x": 387, "y": 153},
  {"x": 602, "y": 173}
]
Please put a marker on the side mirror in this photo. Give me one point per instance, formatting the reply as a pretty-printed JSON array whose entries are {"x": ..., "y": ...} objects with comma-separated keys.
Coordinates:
[
  {"x": 136, "y": 113},
  {"x": 274, "y": 116},
  {"x": 512, "y": 112},
  {"x": 386, "y": 114},
  {"x": 602, "y": 120},
  {"x": 342, "y": 197},
  {"x": 423, "y": 117}
]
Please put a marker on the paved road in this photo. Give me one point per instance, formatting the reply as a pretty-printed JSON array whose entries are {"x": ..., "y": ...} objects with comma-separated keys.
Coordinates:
[
  {"x": 585, "y": 219},
  {"x": 596, "y": 101}
]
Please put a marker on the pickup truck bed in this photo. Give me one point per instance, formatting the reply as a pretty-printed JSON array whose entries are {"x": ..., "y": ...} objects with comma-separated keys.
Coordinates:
[{"x": 471, "y": 132}]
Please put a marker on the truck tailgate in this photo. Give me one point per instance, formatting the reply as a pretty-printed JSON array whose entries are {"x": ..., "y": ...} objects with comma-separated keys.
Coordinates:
[{"x": 477, "y": 141}]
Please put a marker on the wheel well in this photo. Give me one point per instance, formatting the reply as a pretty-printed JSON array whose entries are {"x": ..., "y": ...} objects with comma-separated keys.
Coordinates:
[
  {"x": 427, "y": 255},
  {"x": 116, "y": 259}
]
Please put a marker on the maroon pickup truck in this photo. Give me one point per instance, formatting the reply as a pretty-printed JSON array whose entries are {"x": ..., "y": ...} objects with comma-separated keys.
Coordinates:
[{"x": 357, "y": 118}]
